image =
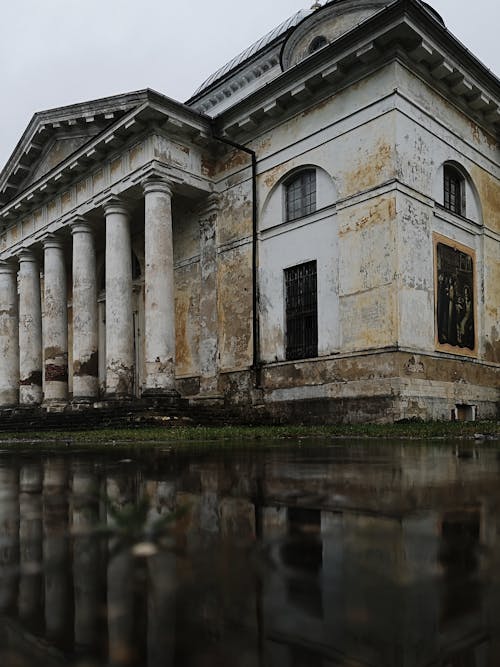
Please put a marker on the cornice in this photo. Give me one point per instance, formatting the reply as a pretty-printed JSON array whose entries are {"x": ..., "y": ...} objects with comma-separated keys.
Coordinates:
[
  {"x": 156, "y": 110},
  {"x": 404, "y": 29}
]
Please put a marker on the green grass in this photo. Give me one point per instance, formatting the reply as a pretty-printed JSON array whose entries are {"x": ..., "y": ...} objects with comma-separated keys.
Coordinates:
[{"x": 199, "y": 434}]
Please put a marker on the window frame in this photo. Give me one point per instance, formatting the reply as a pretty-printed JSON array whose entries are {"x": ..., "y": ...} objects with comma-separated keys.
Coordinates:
[
  {"x": 301, "y": 310},
  {"x": 304, "y": 183},
  {"x": 454, "y": 190}
]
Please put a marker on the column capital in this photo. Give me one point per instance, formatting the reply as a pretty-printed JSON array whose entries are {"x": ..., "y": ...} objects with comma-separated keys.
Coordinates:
[
  {"x": 7, "y": 266},
  {"x": 209, "y": 206},
  {"x": 26, "y": 255},
  {"x": 115, "y": 205},
  {"x": 157, "y": 184},
  {"x": 80, "y": 225},
  {"x": 52, "y": 241}
]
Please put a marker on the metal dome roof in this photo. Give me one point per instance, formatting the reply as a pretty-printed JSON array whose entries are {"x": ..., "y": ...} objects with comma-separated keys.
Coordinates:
[{"x": 254, "y": 48}]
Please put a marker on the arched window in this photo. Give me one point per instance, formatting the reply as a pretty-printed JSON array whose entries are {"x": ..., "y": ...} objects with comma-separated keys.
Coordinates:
[
  {"x": 454, "y": 190},
  {"x": 318, "y": 43},
  {"x": 300, "y": 195}
]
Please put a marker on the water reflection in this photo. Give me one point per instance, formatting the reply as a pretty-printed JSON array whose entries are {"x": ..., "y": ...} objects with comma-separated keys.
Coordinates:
[{"x": 345, "y": 556}]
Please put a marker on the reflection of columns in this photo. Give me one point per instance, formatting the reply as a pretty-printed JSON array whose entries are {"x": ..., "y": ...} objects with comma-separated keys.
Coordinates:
[
  {"x": 120, "y": 607},
  {"x": 119, "y": 314},
  {"x": 30, "y": 330},
  {"x": 161, "y": 609},
  {"x": 55, "y": 549},
  {"x": 86, "y": 575},
  {"x": 9, "y": 331},
  {"x": 208, "y": 297},
  {"x": 30, "y": 541},
  {"x": 9, "y": 536},
  {"x": 85, "y": 368},
  {"x": 159, "y": 289},
  {"x": 120, "y": 588},
  {"x": 55, "y": 324}
]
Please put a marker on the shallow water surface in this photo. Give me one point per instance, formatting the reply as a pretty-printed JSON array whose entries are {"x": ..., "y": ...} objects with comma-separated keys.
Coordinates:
[{"x": 295, "y": 554}]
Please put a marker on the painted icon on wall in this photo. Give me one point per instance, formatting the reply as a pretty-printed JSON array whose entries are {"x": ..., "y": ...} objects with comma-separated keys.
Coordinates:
[{"x": 455, "y": 296}]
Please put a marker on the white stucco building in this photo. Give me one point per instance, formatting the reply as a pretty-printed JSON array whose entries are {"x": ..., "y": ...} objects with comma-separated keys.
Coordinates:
[{"x": 315, "y": 234}]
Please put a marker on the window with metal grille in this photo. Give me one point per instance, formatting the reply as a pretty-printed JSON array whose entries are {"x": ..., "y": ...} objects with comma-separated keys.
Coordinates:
[
  {"x": 301, "y": 303},
  {"x": 454, "y": 191},
  {"x": 301, "y": 195}
]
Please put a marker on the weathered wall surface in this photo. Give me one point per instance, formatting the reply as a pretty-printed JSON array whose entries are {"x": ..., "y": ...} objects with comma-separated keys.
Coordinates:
[
  {"x": 431, "y": 132},
  {"x": 187, "y": 279},
  {"x": 234, "y": 262},
  {"x": 352, "y": 237},
  {"x": 234, "y": 297}
]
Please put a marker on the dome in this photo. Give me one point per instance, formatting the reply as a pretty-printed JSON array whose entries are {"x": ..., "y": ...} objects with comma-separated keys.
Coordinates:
[
  {"x": 432, "y": 11},
  {"x": 261, "y": 44}
]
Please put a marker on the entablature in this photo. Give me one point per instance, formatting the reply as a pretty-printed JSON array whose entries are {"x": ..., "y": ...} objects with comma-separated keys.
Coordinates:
[{"x": 156, "y": 114}]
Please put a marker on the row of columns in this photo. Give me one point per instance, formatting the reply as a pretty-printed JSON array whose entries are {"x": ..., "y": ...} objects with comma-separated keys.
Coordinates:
[
  {"x": 21, "y": 337},
  {"x": 54, "y": 581}
]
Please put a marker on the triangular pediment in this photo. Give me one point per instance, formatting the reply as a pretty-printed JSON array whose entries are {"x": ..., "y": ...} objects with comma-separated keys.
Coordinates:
[
  {"x": 52, "y": 136},
  {"x": 54, "y": 153}
]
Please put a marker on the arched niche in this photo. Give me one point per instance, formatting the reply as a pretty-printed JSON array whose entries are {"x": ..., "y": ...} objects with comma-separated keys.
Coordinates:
[
  {"x": 274, "y": 209},
  {"x": 472, "y": 209}
]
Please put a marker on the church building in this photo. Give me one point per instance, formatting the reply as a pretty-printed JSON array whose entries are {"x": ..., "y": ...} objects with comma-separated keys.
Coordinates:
[{"x": 313, "y": 236}]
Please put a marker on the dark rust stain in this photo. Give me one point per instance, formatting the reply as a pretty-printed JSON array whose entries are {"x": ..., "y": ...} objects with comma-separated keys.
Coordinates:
[
  {"x": 35, "y": 378},
  {"x": 87, "y": 368},
  {"x": 207, "y": 167},
  {"x": 123, "y": 386},
  {"x": 56, "y": 373}
]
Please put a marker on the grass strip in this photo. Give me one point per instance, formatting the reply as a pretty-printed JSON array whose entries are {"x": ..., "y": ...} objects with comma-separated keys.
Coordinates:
[{"x": 189, "y": 434}]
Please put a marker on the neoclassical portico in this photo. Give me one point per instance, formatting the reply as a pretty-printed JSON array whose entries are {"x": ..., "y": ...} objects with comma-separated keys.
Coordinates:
[{"x": 34, "y": 289}]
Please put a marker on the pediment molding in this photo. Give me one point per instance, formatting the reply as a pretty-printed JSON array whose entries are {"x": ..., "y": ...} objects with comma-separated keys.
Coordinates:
[{"x": 18, "y": 196}]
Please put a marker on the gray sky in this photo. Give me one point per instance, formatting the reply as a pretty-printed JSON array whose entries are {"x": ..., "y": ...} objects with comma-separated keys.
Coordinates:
[{"x": 58, "y": 52}]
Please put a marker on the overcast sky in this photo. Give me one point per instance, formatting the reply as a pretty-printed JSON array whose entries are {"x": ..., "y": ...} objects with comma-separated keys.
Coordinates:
[{"x": 57, "y": 52}]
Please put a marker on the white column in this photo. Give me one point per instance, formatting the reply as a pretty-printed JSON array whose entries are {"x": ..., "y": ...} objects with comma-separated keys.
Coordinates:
[
  {"x": 159, "y": 290},
  {"x": 85, "y": 342},
  {"x": 208, "y": 298},
  {"x": 30, "y": 330},
  {"x": 119, "y": 313},
  {"x": 55, "y": 324},
  {"x": 9, "y": 332}
]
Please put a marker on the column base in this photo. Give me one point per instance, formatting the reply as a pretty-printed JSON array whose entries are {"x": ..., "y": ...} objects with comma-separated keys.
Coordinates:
[
  {"x": 167, "y": 397},
  {"x": 54, "y": 405},
  {"x": 208, "y": 399},
  {"x": 127, "y": 398}
]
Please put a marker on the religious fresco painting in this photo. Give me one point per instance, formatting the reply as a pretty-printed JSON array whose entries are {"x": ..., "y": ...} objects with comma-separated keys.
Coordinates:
[{"x": 455, "y": 297}]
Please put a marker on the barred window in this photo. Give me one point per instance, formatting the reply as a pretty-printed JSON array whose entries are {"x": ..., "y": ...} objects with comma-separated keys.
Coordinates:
[
  {"x": 454, "y": 190},
  {"x": 301, "y": 304},
  {"x": 301, "y": 195}
]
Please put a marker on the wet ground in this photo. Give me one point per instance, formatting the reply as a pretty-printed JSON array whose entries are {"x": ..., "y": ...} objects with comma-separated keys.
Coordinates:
[{"x": 291, "y": 554}]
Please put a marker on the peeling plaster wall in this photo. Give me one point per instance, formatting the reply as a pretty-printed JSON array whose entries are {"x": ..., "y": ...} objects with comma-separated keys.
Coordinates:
[
  {"x": 352, "y": 237},
  {"x": 187, "y": 279},
  {"x": 430, "y": 132},
  {"x": 234, "y": 308}
]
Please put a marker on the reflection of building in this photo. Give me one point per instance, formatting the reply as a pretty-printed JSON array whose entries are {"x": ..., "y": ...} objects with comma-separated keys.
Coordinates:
[
  {"x": 386, "y": 557},
  {"x": 281, "y": 242}
]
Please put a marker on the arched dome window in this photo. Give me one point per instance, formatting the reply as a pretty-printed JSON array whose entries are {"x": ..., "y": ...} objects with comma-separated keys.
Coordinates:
[{"x": 318, "y": 43}]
